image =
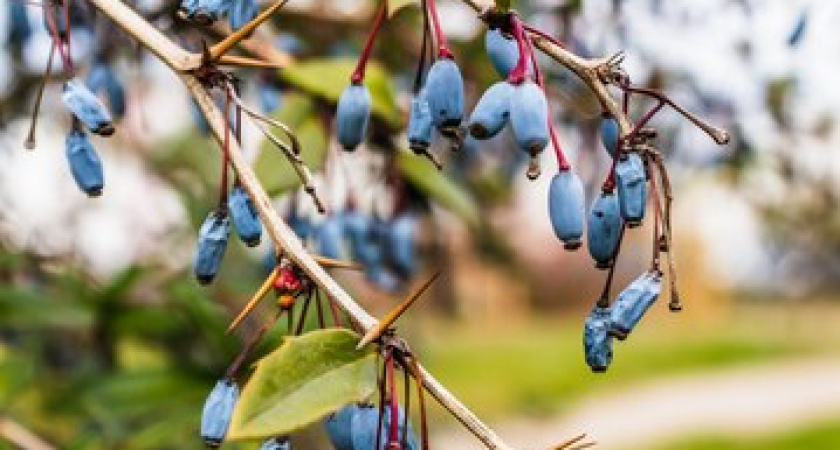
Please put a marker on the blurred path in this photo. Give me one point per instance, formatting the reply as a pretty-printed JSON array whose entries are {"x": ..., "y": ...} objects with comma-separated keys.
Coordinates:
[{"x": 756, "y": 400}]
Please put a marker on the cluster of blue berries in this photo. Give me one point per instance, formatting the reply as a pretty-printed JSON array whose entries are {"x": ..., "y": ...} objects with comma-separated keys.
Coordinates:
[
  {"x": 218, "y": 411},
  {"x": 357, "y": 426},
  {"x": 205, "y": 12}
]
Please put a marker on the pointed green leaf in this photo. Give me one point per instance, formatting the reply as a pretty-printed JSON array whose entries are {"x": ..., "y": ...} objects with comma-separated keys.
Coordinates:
[
  {"x": 303, "y": 380},
  {"x": 273, "y": 169},
  {"x": 395, "y": 5},
  {"x": 327, "y": 78},
  {"x": 432, "y": 182}
]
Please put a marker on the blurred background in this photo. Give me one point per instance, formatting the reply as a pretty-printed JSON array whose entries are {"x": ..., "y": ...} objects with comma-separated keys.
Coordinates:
[{"x": 107, "y": 340}]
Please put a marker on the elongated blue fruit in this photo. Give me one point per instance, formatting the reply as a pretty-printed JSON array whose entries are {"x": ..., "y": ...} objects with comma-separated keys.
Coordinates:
[
  {"x": 609, "y": 135},
  {"x": 445, "y": 94},
  {"x": 87, "y": 108},
  {"x": 357, "y": 230},
  {"x": 188, "y": 8},
  {"x": 502, "y": 51},
  {"x": 597, "y": 342},
  {"x": 246, "y": 221},
  {"x": 632, "y": 189},
  {"x": 208, "y": 11},
  {"x": 210, "y": 249},
  {"x": 566, "y": 208},
  {"x": 633, "y": 302},
  {"x": 420, "y": 124},
  {"x": 329, "y": 236},
  {"x": 84, "y": 163},
  {"x": 270, "y": 97},
  {"x": 19, "y": 28},
  {"x": 603, "y": 229},
  {"x": 242, "y": 12},
  {"x": 401, "y": 244},
  {"x": 492, "y": 111},
  {"x": 365, "y": 423},
  {"x": 276, "y": 443},
  {"x": 103, "y": 78},
  {"x": 217, "y": 412},
  {"x": 529, "y": 117},
  {"x": 339, "y": 427},
  {"x": 352, "y": 116}
]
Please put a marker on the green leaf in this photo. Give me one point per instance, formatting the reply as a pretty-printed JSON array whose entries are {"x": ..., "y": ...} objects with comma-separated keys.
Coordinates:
[
  {"x": 432, "y": 182},
  {"x": 395, "y": 5},
  {"x": 273, "y": 169},
  {"x": 327, "y": 78},
  {"x": 303, "y": 380}
]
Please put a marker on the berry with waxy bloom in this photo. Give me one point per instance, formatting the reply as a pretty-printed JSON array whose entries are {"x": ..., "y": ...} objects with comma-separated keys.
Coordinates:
[
  {"x": 210, "y": 249},
  {"x": 84, "y": 163},
  {"x": 445, "y": 94},
  {"x": 276, "y": 443},
  {"x": 603, "y": 229},
  {"x": 19, "y": 28},
  {"x": 492, "y": 111},
  {"x": 529, "y": 117},
  {"x": 633, "y": 302},
  {"x": 566, "y": 208},
  {"x": 102, "y": 78},
  {"x": 502, "y": 51},
  {"x": 420, "y": 124},
  {"x": 365, "y": 424},
  {"x": 242, "y": 12},
  {"x": 609, "y": 134},
  {"x": 218, "y": 409},
  {"x": 632, "y": 188},
  {"x": 401, "y": 244},
  {"x": 597, "y": 341},
  {"x": 352, "y": 116},
  {"x": 339, "y": 427},
  {"x": 86, "y": 107},
  {"x": 246, "y": 221}
]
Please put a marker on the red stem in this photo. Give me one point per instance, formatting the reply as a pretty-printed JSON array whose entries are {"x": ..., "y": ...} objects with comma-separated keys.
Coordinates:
[
  {"x": 60, "y": 43},
  {"x": 394, "y": 430},
  {"x": 358, "y": 75},
  {"x": 443, "y": 48},
  {"x": 519, "y": 73}
]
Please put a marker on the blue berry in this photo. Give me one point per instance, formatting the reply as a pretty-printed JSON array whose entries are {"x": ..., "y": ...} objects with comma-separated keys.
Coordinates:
[
  {"x": 492, "y": 111},
  {"x": 352, "y": 116},
  {"x": 270, "y": 97},
  {"x": 633, "y": 302},
  {"x": 604, "y": 229},
  {"x": 401, "y": 244},
  {"x": 632, "y": 188},
  {"x": 87, "y": 108},
  {"x": 445, "y": 94},
  {"x": 597, "y": 342},
  {"x": 210, "y": 249},
  {"x": 18, "y": 22},
  {"x": 329, "y": 236},
  {"x": 84, "y": 163},
  {"x": 420, "y": 124},
  {"x": 529, "y": 117},
  {"x": 242, "y": 12},
  {"x": 609, "y": 135},
  {"x": 246, "y": 220},
  {"x": 208, "y": 11},
  {"x": 365, "y": 424},
  {"x": 276, "y": 443},
  {"x": 357, "y": 230},
  {"x": 339, "y": 427},
  {"x": 566, "y": 208},
  {"x": 502, "y": 51},
  {"x": 218, "y": 409},
  {"x": 103, "y": 78}
]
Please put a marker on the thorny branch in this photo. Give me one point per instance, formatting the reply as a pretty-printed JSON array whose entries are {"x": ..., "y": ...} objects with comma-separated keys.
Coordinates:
[{"x": 593, "y": 72}]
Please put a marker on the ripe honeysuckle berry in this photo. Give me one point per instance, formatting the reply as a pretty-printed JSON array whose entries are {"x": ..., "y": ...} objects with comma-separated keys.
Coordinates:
[
  {"x": 242, "y": 12},
  {"x": 276, "y": 443},
  {"x": 604, "y": 229},
  {"x": 502, "y": 51},
  {"x": 365, "y": 424},
  {"x": 19, "y": 27},
  {"x": 492, "y": 111},
  {"x": 420, "y": 124},
  {"x": 401, "y": 244},
  {"x": 188, "y": 8},
  {"x": 329, "y": 236},
  {"x": 246, "y": 220},
  {"x": 633, "y": 302},
  {"x": 352, "y": 116},
  {"x": 566, "y": 208},
  {"x": 84, "y": 163},
  {"x": 210, "y": 249},
  {"x": 218, "y": 409},
  {"x": 87, "y": 108},
  {"x": 339, "y": 427},
  {"x": 208, "y": 11},
  {"x": 631, "y": 183},
  {"x": 597, "y": 341},
  {"x": 609, "y": 135},
  {"x": 103, "y": 78},
  {"x": 270, "y": 97},
  {"x": 445, "y": 95},
  {"x": 529, "y": 117}
]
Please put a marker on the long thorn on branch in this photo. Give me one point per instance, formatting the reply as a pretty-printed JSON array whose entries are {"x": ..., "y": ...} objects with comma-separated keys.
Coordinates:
[{"x": 229, "y": 42}]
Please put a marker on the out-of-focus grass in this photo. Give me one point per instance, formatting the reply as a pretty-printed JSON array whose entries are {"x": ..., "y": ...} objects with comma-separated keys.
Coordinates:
[
  {"x": 818, "y": 436},
  {"x": 538, "y": 369}
]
